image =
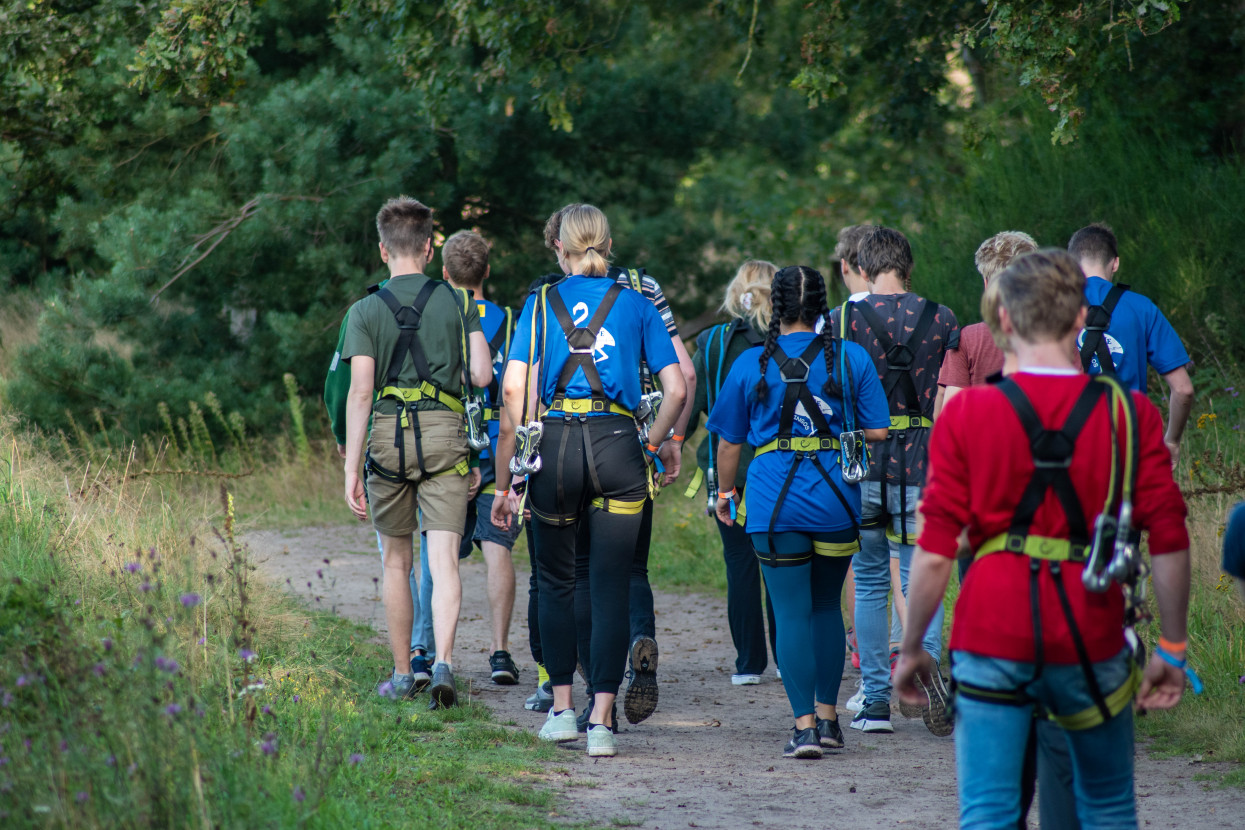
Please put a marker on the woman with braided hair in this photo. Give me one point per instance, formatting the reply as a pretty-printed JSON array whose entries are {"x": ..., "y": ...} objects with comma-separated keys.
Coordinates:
[{"x": 793, "y": 398}]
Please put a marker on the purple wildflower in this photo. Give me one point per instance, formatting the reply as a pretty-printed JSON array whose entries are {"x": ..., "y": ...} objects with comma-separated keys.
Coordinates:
[
  {"x": 107, "y": 644},
  {"x": 385, "y": 689},
  {"x": 170, "y": 665},
  {"x": 22, "y": 680},
  {"x": 201, "y": 640},
  {"x": 81, "y": 797},
  {"x": 134, "y": 567},
  {"x": 145, "y": 587},
  {"x": 267, "y": 710},
  {"x": 173, "y": 710},
  {"x": 269, "y": 747},
  {"x": 7, "y": 699},
  {"x": 111, "y": 760},
  {"x": 296, "y": 698},
  {"x": 132, "y": 768},
  {"x": 299, "y": 795},
  {"x": 64, "y": 746},
  {"x": 319, "y": 573},
  {"x": 99, "y": 669},
  {"x": 26, "y": 743},
  {"x": 246, "y": 654},
  {"x": 4, "y": 760},
  {"x": 356, "y": 758}
]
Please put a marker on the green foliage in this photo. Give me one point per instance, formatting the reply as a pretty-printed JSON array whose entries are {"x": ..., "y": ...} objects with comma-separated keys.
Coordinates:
[{"x": 197, "y": 48}]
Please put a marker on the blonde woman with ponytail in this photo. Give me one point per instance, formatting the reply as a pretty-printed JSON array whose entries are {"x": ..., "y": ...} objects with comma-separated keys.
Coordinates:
[{"x": 576, "y": 354}]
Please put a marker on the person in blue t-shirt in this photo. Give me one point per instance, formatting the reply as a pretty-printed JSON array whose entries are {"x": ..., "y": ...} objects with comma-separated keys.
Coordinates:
[
  {"x": 793, "y": 399},
  {"x": 466, "y": 266},
  {"x": 576, "y": 353},
  {"x": 1137, "y": 335}
]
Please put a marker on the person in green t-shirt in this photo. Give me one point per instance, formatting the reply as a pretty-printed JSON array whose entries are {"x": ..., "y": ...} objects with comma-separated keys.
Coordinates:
[{"x": 416, "y": 340}]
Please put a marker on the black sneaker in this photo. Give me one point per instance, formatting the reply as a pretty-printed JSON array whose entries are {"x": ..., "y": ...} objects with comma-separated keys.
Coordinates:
[
  {"x": 804, "y": 743},
  {"x": 444, "y": 695},
  {"x": 421, "y": 667},
  {"x": 940, "y": 716},
  {"x": 876, "y": 717},
  {"x": 505, "y": 672},
  {"x": 829, "y": 732},
  {"x": 541, "y": 700},
  {"x": 641, "y": 697},
  {"x": 581, "y": 722}
]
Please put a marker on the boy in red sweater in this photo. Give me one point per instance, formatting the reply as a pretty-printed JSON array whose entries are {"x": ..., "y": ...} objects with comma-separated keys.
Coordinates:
[{"x": 1027, "y": 632}]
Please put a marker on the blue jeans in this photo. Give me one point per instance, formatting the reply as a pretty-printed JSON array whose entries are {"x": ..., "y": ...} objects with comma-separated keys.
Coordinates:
[
  {"x": 990, "y": 741},
  {"x": 880, "y": 507}
]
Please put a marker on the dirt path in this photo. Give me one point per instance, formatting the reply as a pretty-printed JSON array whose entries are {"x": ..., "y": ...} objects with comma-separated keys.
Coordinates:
[{"x": 710, "y": 756}]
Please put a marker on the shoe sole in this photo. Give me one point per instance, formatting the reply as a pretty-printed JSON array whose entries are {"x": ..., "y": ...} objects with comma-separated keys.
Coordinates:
[
  {"x": 444, "y": 696},
  {"x": 421, "y": 683},
  {"x": 911, "y": 710},
  {"x": 804, "y": 752},
  {"x": 538, "y": 706},
  {"x": 747, "y": 681},
  {"x": 875, "y": 726},
  {"x": 559, "y": 737},
  {"x": 641, "y": 698},
  {"x": 602, "y": 752},
  {"x": 831, "y": 743},
  {"x": 505, "y": 678},
  {"x": 938, "y": 718}
]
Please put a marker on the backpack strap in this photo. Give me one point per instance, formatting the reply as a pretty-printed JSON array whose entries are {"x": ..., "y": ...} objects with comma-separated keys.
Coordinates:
[
  {"x": 1097, "y": 321},
  {"x": 499, "y": 344}
]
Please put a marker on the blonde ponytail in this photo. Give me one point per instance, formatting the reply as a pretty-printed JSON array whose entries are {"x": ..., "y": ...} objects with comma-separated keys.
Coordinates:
[
  {"x": 585, "y": 237},
  {"x": 748, "y": 294}
]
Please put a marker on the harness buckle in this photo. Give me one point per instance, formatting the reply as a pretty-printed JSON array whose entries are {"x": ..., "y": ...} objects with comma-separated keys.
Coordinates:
[
  {"x": 784, "y": 443},
  {"x": 1014, "y": 543},
  {"x": 473, "y": 417},
  {"x": 782, "y": 372}
]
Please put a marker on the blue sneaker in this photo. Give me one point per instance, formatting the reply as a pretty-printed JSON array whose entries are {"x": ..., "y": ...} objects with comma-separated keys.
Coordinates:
[{"x": 421, "y": 667}]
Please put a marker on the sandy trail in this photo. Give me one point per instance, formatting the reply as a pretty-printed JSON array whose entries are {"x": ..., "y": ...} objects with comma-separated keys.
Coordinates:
[{"x": 710, "y": 756}]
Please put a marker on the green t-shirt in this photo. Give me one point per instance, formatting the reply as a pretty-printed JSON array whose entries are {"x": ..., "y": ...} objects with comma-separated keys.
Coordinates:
[{"x": 372, "y": 331}]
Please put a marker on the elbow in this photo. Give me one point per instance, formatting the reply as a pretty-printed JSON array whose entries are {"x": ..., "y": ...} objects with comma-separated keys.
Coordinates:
[
  {"x": 481, "y": 377},
  {"x": 877, "y": 434}
]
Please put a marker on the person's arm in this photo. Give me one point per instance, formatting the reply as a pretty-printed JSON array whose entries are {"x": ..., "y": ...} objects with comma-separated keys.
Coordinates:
[
  {"x": 1163, "y": 683},
  {"x": 513, "y": 385},
  {"x": 481, "y": 360},
  {"x": 940, "y": 400},
  {"x": 674, "y": 404},
  {"x": 728, "y": 466},
  {"x": 1179, "y": 404},
  {"x": 875, "y": 434},
  {"x": 700, "y": 393},
  {"x": 358, "y": 408},
  {"x": 927, "y": 583}
]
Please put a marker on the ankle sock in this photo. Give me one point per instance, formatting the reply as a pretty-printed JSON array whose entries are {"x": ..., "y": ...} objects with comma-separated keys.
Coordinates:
[{"x": 542, "y": 676}]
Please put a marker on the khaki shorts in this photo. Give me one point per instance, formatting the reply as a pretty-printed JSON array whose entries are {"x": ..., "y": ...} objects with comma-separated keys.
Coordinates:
[{"x": 441, "y": 493}]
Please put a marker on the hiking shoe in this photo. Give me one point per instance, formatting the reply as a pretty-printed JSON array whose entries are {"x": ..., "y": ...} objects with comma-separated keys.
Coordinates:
[
  {"x": 853, "y": 648},
  {"x": 876, "y": 717},
  {"x": 421, "y": 667},
  {"x": 559, "y": 727},
  {"x": 778, "y": 672},
  {"x": 641, "y": 697},
  {"x": 857, "y": 701},
  {"x": 829, "y": 733},
  {"x": 505, "y": 672},
  {"x": 444, "y": 695},
  {"x": 745, "y": 679},
  {"x": 804, "y": 743},
  {"x": 582, "y": 722},
  {"x": 397, "y": 687},
  {"x": 541, "y": 700},
  {"x": 940, "y": 716},
  {"x": 601, "y": 742}
]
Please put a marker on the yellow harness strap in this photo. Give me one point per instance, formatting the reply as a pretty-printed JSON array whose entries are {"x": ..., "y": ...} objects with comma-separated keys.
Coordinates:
[
  {"x": 586, "y": 406},
  {"x": 1037, "y": 547},
  {"x": 424, "y": 392},
  {"x": 836, "y": 548},
  {"x": 693, "y": 486},
  {"x": 807, "y": 444},
  {"x": 905, "y": 422},
  {"x": 626, "y": 508},
  {"x": 1116, "y": 701}
]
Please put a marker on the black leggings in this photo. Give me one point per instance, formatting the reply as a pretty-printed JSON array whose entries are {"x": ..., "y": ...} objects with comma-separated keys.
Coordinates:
[
  {"x": 533, "y": 600},
  {"x": 561, "y": 497}
]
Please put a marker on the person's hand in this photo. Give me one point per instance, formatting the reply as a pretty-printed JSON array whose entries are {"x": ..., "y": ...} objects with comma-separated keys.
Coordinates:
[
  {"x": 724, "y": 509},
  {"x": 1161, "y": 685},
  {"x": 908, "y": 670},
  {"x": 473, "y": 483},
  {"x": 341, "y": 450},
  {"x": 671, "y": 455},
  {"x": 1173, "y": 447},
  {"x": 502, "y": 511},
  {"x": 356, "y": 499}
]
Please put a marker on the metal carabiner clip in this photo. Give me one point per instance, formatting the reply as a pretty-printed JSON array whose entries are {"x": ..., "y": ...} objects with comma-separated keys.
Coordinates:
[
  {"x": 852, "y": 451},
  {"x": 477, "y": 433}
]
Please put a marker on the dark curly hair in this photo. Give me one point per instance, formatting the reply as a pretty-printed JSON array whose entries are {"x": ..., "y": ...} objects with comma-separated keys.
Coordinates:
[{"x": 798, "y": 293}]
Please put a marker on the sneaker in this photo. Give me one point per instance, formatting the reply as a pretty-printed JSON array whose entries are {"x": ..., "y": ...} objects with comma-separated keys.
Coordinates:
[
  {"x": 397, "y": 687},
  {"x": 745, "y": 679},
  {"x": 857, "y": 701},
  {"x": 853, "y": 648},
  {"x": 444, "y": 695},
  {"x": 559, "y": 727},
  {"x": 876, "y": 717},
  {"x": 804, "y": 743},
  {"x": 829, "y": 732},
  {"x": 581, "y": 723},
  {"x": 778, "y": 672},
  {"x": 940, "y": 716},
  {"x": 505, "y": 672},
  {"x": 641, "y": 697},
  {"x": 541, "y": 700},
  {"x": 421, "y": 667},
  {"x": 601, "y": 742}
]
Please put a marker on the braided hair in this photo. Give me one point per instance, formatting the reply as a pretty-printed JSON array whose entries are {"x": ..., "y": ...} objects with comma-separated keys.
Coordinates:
[{"x": 798, "y": 293}]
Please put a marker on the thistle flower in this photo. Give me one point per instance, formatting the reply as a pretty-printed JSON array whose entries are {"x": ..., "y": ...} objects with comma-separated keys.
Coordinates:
[
  {"x": 99, "y": 669},
  {"x": 299, "y": 795},
  {"x": 246, "y": 654},
  {"x": 22, "y": 680},
  {"x": 134, "y": 567},
  {"x": 269, "y": 747},
  {"x": 356, "y": 758},
  {"x": 190, "y": 600},
  {"x": 145, "y": 587},
  {"x": 81, "y": 797},
  {"x": 107, "y": 644},
  {"x": 173, "y": 710},
  {"x": 385, "y": 689}
]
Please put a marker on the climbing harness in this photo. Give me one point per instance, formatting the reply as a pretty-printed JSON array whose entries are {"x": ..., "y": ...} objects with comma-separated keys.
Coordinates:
[
  {"x": 899, "y": 358},
  {"x": 1097, "y": 320},
  {"x": 499, "y": 346},
  {"x": 853, "y": 451},
  {"x": 409, "y": 318},
  {"x": 527, "y": 434},
  {"x": 794, "y": 372},
  {"x": 646, "y": 413}
]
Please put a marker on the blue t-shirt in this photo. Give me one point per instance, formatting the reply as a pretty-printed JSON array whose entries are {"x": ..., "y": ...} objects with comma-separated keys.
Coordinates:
[
  {"x": 1138, "y": 334},
  {"x": 492, "y": 320},
  {"x": 633, "y": 331},
  {"x": 738, "y": 417},
  {"x": 1234, "y": 543}
]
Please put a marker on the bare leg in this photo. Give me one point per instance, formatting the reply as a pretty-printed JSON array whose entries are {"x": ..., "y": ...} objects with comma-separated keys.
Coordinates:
[
  {"x": 602, "y": 706},
  {"x": 447, "y": 590},
  {"x": 396, "y": 594},
  {"x": 500, "y": 592},
  {"x": 826, "y": 711}
]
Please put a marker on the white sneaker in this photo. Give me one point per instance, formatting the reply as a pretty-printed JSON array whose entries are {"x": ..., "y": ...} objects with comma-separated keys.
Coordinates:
[
  {"x": 601, "y": 742},
  {"x": 559, "y": 727},
  {"x": 857, "y": 701},
  {"x": 745, "y": 679},
  {"x": 778, "y": 672}
]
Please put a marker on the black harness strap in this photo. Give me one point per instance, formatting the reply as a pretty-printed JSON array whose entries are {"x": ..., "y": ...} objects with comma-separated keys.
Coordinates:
[
  {"x": 409, "y": 319},
  {"x": 582, "y": 341},
  {"x": 500, "y": 345},
  {"x": 1096, "y": 323},
  {"x": 899, "y": 358}
]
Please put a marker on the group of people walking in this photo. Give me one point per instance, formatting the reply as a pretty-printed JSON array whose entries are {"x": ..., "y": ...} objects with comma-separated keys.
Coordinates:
[{"x": 1046, "y": 464}]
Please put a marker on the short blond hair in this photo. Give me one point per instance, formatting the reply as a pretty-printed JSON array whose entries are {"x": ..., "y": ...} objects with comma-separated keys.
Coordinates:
[
  {"x": 1043, "y": 292},
  {"x": 753, "y": 280},
  {"x": 585, "y": 235},
  {"x": 997, "y": 252}
]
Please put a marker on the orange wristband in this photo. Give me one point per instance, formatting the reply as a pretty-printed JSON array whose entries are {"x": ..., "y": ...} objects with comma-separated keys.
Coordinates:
[
  {"x": 652, "y": 449},
  {"x": 730, "y": 494},
  {"x": 678, "y": 438},
  {"x": 1173, "y": 648}
]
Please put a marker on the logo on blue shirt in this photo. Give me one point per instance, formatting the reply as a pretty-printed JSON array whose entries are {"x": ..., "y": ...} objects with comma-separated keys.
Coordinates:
[{"x": 1117, "y": 351}]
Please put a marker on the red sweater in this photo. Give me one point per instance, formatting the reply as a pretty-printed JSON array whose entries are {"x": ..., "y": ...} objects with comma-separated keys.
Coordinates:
[{"x": 980, "y": 464}]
